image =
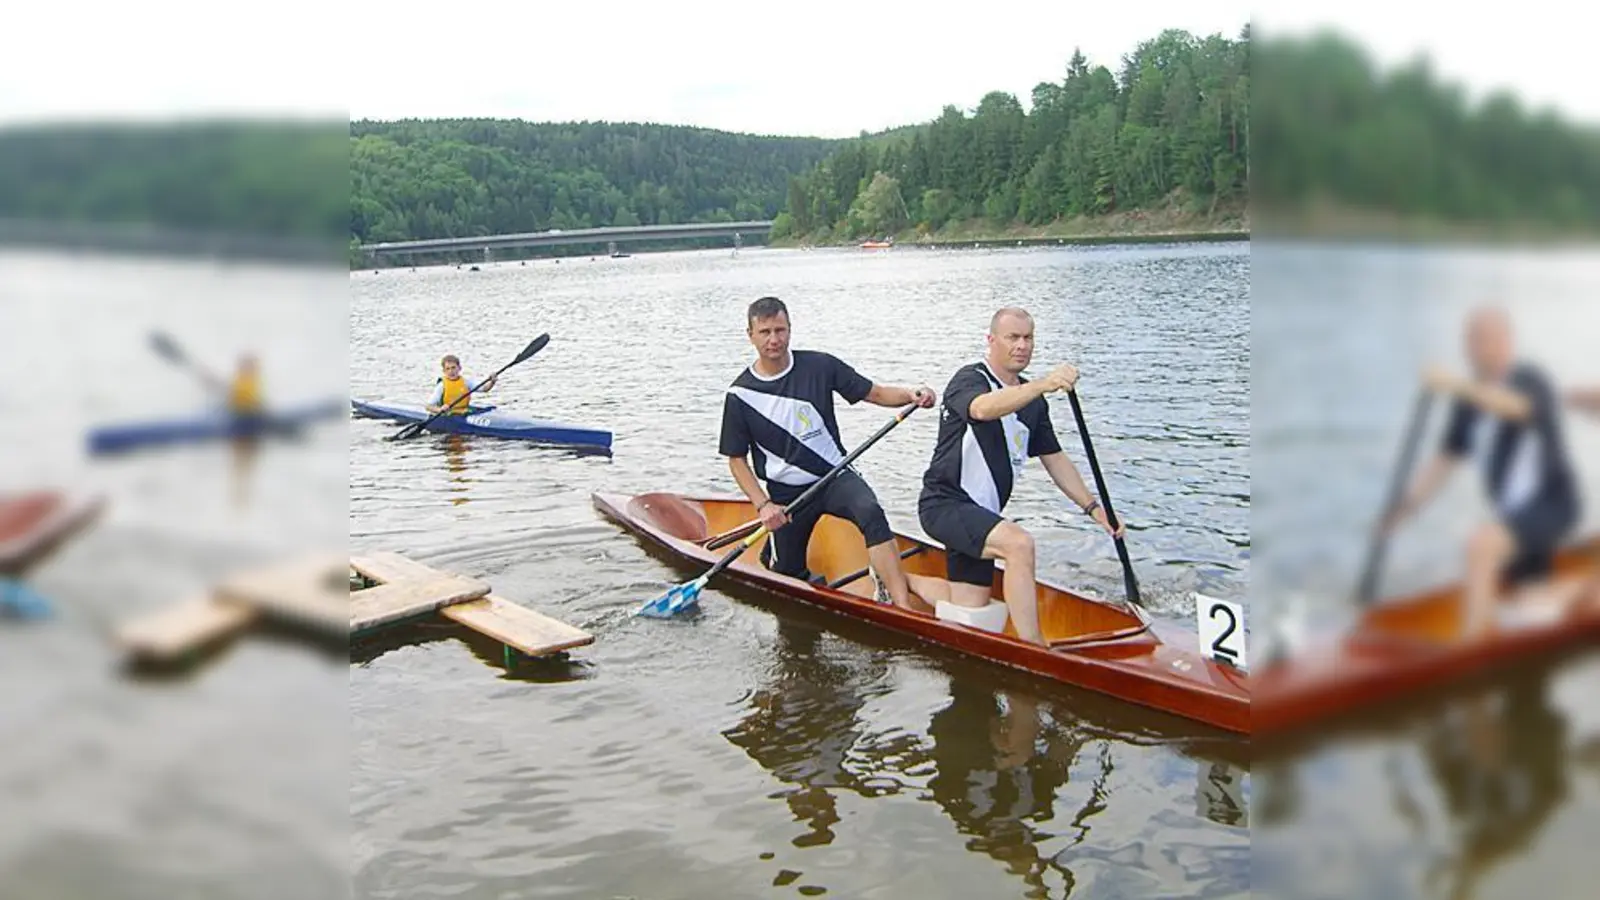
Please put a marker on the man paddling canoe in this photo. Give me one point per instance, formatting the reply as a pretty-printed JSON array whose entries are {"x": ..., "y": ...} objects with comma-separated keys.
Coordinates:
[
  {"x": 1506, "y": 416},
  {"x": 779, "y": 411},
  {"x": 991, "y": 422},
  {"x": 452, "y": 387}
]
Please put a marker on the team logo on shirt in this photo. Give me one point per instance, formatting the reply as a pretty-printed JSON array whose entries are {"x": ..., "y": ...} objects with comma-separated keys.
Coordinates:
[{"x": 808, "y": 429}]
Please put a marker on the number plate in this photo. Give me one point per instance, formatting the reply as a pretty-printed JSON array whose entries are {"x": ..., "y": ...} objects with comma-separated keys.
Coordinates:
[{"x": 1221, "y": 630}]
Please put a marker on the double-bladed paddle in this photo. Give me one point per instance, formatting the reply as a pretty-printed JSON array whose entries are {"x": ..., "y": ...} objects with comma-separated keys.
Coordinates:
[
  {"x": 416, "y": 428},
  {"x": 1129, "y": 583},
  {"x": 686, "y": 594}
]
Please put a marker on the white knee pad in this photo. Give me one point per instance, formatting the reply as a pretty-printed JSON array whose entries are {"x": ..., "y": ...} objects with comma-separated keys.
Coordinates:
[{"x": 990, "y": 618}]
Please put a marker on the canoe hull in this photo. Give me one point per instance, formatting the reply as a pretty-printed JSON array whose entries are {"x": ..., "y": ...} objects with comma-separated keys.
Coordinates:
[
  {"x": 209, "y": 427},
  {"x": 1150, "y": 664},
  {"x": 1404, "y": 647},
  {"x": 489, "y": 421},
  {"x": 33, "y": 523}
]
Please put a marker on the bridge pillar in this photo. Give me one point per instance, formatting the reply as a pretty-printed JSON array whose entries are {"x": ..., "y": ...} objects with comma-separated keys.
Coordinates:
[{"x": 738, "y": 240}]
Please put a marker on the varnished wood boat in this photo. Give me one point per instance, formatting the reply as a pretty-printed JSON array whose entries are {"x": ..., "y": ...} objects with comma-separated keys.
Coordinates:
[
  {"x": 1097, "y": 645},
  {"x": 32, "y": 523},
  {"x": 1405, "y": 646}
]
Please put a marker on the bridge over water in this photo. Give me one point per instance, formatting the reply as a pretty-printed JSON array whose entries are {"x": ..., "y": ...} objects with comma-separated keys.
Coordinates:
[{"x": 610, "y": 236}]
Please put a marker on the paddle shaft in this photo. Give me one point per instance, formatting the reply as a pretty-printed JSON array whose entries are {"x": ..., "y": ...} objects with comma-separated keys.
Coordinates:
[
  {"x": 533, "y": 347},
  {"x": 1130, "y": 583},
  {"x": 1376, "y": 550},
  {"x": 761, "y": 530},
  {"x": 729, "y": 537},
  {"x": 858, "y": 575}
]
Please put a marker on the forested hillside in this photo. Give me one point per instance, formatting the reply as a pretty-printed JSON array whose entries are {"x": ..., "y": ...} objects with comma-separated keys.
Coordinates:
[
  {"x": 453, "y": 178},
  {"x": 1170, "y": 128}
]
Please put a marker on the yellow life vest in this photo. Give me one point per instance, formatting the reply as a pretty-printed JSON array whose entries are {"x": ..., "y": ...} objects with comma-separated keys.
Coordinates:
[
  {"x": 244, "y": 396},
  {"x": 453, "y": 388}
]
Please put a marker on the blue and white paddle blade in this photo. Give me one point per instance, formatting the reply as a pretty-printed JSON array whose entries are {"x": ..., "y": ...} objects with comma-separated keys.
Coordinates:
[
  {"x": 18, "y": 601},
  {"x": 672, "y": 602}
]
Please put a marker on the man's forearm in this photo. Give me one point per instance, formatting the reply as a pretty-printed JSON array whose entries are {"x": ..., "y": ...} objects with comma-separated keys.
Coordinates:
[
  {"x": 995, "y": 404},
  {"x": 747, "y": 480}
]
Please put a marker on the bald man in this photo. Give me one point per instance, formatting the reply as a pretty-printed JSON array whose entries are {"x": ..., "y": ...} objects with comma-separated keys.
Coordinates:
[
  {"x": 991, "y": 422},
  {"x": 1506, "y": 416}
]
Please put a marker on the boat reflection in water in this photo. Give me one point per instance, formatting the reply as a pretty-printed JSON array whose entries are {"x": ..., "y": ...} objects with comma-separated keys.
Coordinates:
[{"x": 1022, "y": 778}]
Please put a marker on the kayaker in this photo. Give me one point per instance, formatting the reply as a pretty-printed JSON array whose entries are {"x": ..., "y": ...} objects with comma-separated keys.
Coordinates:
[
  {"x": 779, "y": 411},
  {"x": 243, "y": 392},
  {"x": 452, "y": 387},
  {"x": 1507, "y": 417},
  {"x": 991, "y": 422}
]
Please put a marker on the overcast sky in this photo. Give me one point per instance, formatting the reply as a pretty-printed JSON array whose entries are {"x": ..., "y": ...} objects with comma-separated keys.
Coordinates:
[{"x": 823, "y": 68}]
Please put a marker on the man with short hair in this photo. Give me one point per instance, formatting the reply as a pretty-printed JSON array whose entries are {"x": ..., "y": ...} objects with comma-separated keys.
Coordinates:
[
  {"x": 1507, "y": 416},
  {"x": 779, "y": 411},
  {"x": 992, "y": 421}
]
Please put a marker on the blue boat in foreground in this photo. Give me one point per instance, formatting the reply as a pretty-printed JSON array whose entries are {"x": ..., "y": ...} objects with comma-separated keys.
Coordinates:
[
  {"x": 211, "y": 425},
  {"x": 490, "y": 421}
]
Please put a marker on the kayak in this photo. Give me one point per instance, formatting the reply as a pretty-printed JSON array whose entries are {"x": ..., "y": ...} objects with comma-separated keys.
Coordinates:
[
  {"x": 490, "y": 421},
  {"x": 1107, "y": 647},
  {"x": 211, "y": 425},
  {"x": 33, "y": 523},
  {"x": 1401, "y": 647}
]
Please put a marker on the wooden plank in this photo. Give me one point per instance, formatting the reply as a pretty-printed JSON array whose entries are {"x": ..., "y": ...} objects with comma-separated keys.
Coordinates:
[
  {"x": 395, "y": 601},
  {"x": 516, "y": 626},
  {"x": 313, "y": 590},
  {"x": 171, "y": 633},
  {"x": 512, "y": 624}
]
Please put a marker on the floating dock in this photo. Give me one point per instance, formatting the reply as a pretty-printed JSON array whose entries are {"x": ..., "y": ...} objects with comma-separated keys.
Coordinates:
[{"x": 315, "y": 594}]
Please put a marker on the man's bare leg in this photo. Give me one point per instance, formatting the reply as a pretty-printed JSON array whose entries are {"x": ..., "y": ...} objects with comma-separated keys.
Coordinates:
[
  {"x": 1489, "y": 551},
  {"x": 1012, "y": 545},
  {"x": 885, "y": 560}
]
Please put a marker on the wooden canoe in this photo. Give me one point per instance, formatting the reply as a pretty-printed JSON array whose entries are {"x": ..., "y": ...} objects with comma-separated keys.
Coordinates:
[
  {"x": 1402, "y": 647},
  {"x": 33, "y": 523},
  {"x": 1098, "y": 645}
]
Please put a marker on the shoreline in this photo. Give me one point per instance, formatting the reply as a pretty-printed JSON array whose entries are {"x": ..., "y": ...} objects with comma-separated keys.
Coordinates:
[{"x": 957, "y": 243}]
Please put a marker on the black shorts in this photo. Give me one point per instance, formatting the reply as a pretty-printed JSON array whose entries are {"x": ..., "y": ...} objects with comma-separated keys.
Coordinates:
[
  {"x": 1539, "y": 530},
  {"x": 847, "y": 496},
  {"x": 961, "y": 526}
]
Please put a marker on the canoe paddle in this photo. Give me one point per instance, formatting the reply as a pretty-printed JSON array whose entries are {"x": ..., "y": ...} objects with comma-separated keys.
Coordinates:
[
  {"x": 416, "y": 428},
  {"x": 1129, "y": 583},
  {"x": 686, "y": 594},
  {"x": 1368, "y": 588}
]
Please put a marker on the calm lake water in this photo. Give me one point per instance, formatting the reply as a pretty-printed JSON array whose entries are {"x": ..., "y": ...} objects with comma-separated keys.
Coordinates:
[
  {"x": 1489, "y": 793},
  {"x": 230, "y": 781},
  {"x": 766, "y": 749}
]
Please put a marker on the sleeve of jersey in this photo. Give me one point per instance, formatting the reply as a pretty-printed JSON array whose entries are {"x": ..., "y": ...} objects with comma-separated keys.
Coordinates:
[
  {"x": 735, "y": 436},
  {"x": 850, "y": 384},
  {"x": 1458, "y": 432},
  {"x": 965, "y": 387},
  {"x": 1539, "y": 393},
  {"x": 1042, "y": 440},
  {"x": 438, "y": 395}
]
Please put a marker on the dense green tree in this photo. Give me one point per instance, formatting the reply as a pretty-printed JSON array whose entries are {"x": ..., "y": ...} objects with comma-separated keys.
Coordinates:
[{"x": 1169, "y": 129}]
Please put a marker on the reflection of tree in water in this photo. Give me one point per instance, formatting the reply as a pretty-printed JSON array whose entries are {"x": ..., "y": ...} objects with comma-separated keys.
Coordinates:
[{"x": 1500, "y": 762}]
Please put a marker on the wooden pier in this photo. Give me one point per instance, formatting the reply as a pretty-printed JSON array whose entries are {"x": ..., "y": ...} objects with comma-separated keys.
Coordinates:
[{"x": 315, "y": 594}]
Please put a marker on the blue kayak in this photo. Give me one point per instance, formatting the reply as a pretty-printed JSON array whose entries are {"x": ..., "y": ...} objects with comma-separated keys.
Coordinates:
[
  {"x": 491, "y": 421},
  {"x": 211, "y": 425}
]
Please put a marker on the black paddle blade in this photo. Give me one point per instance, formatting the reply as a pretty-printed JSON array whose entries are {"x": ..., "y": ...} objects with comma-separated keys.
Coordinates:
[
  {"x": 533, "y": 347},
  {"x": 166, "y": 346}
]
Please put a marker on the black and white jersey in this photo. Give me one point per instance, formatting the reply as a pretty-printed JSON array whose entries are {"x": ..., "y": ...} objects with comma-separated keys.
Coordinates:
[
  {"x": 1522, "y": 463},
  {"x": 980, "y": 461},
  {"x": 785, "y": 423}
]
